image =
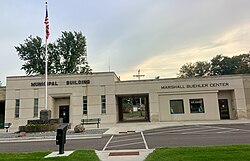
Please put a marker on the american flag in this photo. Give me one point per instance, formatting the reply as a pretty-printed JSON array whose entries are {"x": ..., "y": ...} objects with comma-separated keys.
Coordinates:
[{"x": 47, "y": 23}]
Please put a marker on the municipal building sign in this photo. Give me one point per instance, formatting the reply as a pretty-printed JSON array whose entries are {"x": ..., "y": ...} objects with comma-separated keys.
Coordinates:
[{"x": 55, "y": 83}]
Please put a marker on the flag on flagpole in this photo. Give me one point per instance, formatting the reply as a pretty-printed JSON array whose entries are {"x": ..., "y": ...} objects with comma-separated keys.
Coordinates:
[{"x": 47, "y": 23}]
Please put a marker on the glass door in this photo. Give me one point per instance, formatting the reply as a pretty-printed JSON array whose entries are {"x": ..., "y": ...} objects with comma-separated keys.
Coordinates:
[
  {"x": 223, "y": 107},
  {"x": 64, "y": 113}
]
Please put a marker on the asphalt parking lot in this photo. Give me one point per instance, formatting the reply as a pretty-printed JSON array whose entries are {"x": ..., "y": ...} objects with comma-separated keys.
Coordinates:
[
  {"x": 198, "y": 135},
  {"x": 188, "y": 135},
  {"x": 130, "y": 141},
  {"x": 192, "y": 135}
]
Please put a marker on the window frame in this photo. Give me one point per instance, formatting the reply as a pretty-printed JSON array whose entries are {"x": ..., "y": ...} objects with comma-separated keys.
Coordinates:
[
  {"x": 17, "y": 108},
  {"x": 171, "y": 108},
  {"x": 103, "y": 104},
  {"x": 201, "y": 109},
  {"x": 85, "y": 105},
  {"x": 35, "y": 107}
]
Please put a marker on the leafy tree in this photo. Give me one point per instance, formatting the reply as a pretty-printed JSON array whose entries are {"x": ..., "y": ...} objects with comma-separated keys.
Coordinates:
[
  {"x": 67, "y": 55},
  {"x": 244, "y": 66},
  {"x": 187, "y": 70},
  {"x": 32, "y": 52},
  {"x": 202, "y": 68},
  {"x": 198, "y": 69},
  {"x": 223, "y": 65},
  {"x": 220, "y": 65}
]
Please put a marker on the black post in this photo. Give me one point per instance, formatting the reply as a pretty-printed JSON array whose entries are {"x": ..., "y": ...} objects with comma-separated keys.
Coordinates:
[
  {"x": 61, "y": 149},
  {"x": 61, "y": 137}
]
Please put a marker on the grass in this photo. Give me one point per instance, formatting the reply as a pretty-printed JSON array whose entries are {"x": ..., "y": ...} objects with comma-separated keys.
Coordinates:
[
  {"x": 78, "y": 155},
  {"x": 216, "y": 153},
  {"x": 209, "y": 153}
]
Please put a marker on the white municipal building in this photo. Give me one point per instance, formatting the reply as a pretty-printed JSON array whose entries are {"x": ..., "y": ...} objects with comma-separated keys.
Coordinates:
[{"x": 103, "y": 95}]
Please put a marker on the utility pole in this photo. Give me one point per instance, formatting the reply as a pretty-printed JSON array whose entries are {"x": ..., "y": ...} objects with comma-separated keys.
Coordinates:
[{"x": 139, "y": 75}]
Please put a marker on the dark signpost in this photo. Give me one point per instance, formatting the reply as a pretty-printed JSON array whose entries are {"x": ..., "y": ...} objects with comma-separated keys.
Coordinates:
[{"x": 61, "y": 137}]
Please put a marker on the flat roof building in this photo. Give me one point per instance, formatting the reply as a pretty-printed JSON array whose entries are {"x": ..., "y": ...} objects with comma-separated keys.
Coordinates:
[{"x": 103, "y": 95}]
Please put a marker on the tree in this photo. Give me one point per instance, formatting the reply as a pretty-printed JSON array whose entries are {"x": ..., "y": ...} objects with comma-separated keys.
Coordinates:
[
  {"x": 244, "y": 66},
  {"x": 32, "y": 52},
  {"x": 187, "y": 70},
  {"x": 202, "y": 68},
  {"x": 65, "y": 56},
  {"x": 223, "y": 65},
  {"x": 198, "y": 69},
  {"x": 220, "y": 65}
]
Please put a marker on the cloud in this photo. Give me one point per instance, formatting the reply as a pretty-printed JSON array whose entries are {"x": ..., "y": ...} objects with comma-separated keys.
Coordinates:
[{"x": 168, "y": 63}]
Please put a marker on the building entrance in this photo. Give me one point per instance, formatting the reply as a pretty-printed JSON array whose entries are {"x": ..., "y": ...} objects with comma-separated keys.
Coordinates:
[
  {"x": 133, "y": 108},
  {"x": 2, "y": 114},
  {"x": 64, "y": 113},
  {"x": 223, "y": 107}
]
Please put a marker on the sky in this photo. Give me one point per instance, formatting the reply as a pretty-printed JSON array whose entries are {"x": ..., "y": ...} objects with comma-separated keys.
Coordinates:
[{"x": 123, "y": 36}]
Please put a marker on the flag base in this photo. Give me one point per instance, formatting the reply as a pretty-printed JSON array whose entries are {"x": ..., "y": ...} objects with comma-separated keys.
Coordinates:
[{"x": 45, "y": 114}]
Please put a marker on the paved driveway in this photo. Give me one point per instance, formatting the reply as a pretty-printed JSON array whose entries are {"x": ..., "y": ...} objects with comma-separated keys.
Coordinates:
[
  {"x": 190, "y": 135},
  {"x": 198, "y": 135}
]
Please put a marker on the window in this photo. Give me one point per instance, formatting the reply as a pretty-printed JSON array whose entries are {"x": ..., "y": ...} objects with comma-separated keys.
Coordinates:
[
  {"x": 176, "y": 107},
  {"x": 103, "y": 101},
  {"x": 196, "y": 105},
  {"x": 85, "y": 105},
  {"x": 36, "y": 107},
  {"x": 17, "y": 108}
]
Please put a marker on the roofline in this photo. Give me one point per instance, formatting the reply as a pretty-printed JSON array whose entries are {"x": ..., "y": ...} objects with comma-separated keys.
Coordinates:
[
  {"x": 93, "y": 73},
  {"x": 191, "y": 78}
]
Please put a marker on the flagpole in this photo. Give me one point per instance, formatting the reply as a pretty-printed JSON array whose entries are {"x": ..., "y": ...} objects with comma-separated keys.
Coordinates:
[
  {"x": 46, "y": 75},
  {"x": 46, "y": 57}
]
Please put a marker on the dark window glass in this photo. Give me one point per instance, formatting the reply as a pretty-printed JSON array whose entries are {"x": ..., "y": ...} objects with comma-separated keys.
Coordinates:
[
  {"x": 17, "y": 108},
  {"x": 85, "y": 105},
  {"x": 103, "y": 102},
  {"x": 36, "y": 107},
  {"x": 176, "y": 107},
  {"x": 196, "y": 105}
]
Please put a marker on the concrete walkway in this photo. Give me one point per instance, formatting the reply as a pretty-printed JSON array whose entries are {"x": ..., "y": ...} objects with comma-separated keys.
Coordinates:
[
  {"x": 123, "y": 155},
  {"x": 114, "y": 129}
]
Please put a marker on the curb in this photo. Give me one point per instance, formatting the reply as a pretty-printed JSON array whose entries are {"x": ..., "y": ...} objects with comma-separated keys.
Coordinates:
[{"x": 48, "y": 138}]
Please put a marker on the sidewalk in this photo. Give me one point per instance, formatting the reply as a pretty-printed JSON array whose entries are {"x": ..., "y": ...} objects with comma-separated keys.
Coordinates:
[
  {"x": 46, "y": 136},
  {"x": 143, "y": 153},
  {"x": 114, "y": 129}
]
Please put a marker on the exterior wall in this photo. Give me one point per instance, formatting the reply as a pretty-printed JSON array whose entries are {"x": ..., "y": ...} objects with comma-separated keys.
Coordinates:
[
  {"x": 188, "y": 88},
  {"x": 20, "y": 88},
  {"x": 210, "y": 101},
  {"x": 160, "y": 92},
  {"x": 246, "y": 82}
]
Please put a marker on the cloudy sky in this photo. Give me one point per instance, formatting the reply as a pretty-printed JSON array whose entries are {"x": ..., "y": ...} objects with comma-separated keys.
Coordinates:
[{"x": 155, "y": 36}]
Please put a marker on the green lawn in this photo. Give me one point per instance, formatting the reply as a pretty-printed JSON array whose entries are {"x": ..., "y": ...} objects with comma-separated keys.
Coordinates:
[
  {"x": 209, "y": 153},
  {"x": 78, "y": 155}
]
